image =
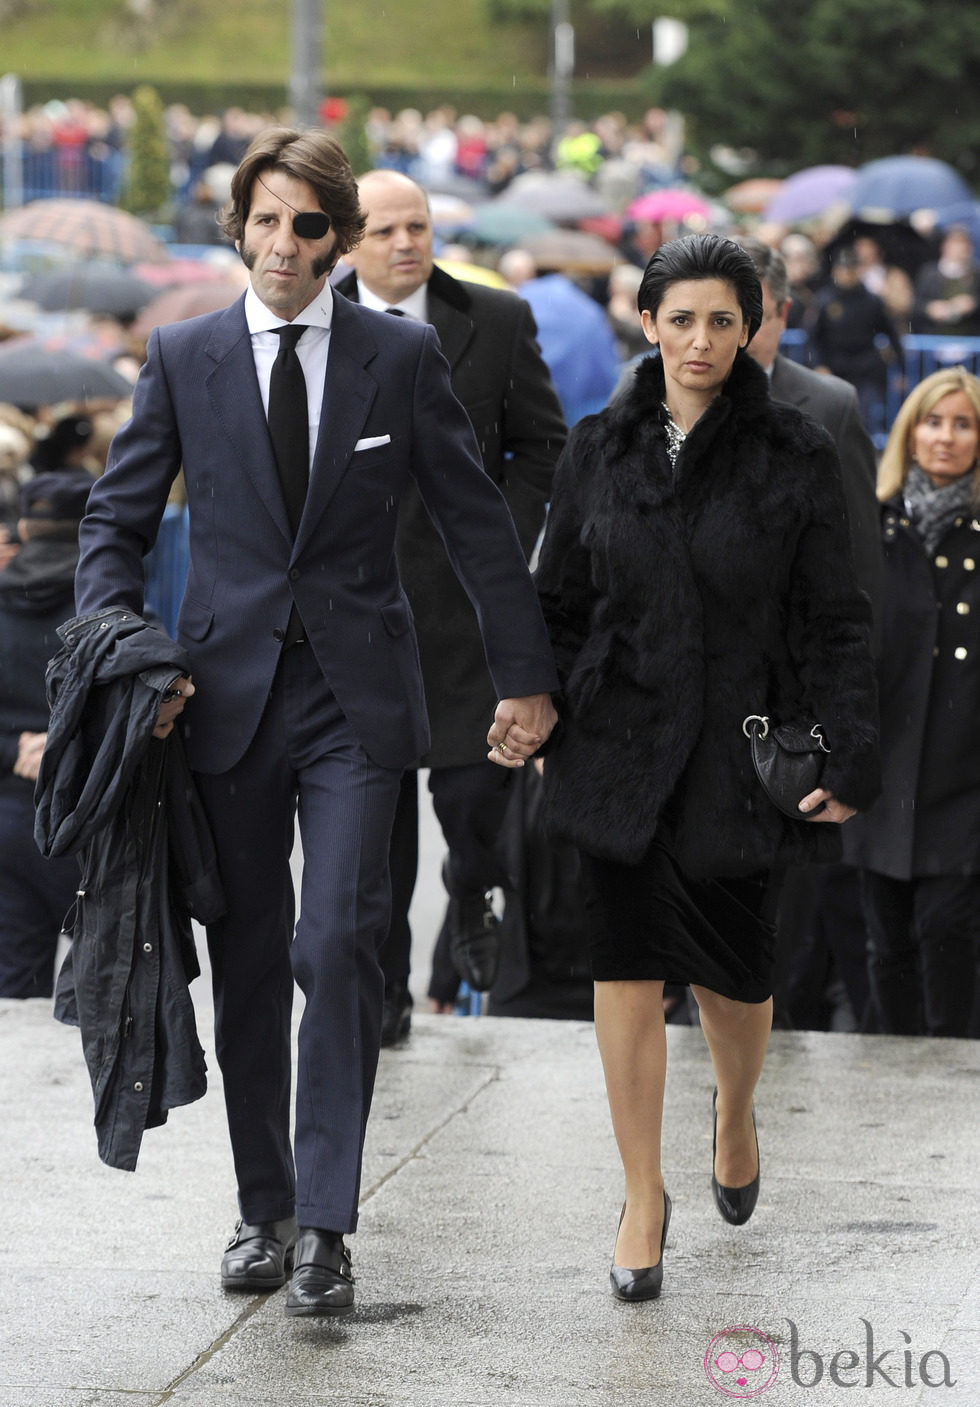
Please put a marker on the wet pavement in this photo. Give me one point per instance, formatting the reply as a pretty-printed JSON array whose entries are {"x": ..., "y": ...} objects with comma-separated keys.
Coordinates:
[{"x": 491, "y": 1193}]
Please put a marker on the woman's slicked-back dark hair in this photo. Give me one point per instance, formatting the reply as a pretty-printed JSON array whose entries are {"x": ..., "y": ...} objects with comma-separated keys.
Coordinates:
[
  {"x": 312, "y": 156},
  {"x": 702, "y": 256}
]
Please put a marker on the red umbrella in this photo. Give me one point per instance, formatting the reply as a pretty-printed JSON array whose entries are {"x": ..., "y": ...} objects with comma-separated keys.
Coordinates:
[
  {"x": 176, "y": 304},
  {"x": 656, "y": 206},
  {"x": 609, "y": 227},
  {"x": 179, "y": 272},
  {"x": 88, "y": 228}
]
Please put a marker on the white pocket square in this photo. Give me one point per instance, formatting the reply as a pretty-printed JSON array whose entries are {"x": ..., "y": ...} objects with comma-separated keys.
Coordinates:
[{"x": 372, "y": 442}]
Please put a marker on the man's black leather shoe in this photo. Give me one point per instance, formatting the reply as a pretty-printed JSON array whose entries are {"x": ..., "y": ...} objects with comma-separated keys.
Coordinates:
[
  {"x": 396, "y": 1021},
  {"x": 474, "y": 939},
  {"x": 322, "y": 1282},
  {"x": 259, "y": 1257}
]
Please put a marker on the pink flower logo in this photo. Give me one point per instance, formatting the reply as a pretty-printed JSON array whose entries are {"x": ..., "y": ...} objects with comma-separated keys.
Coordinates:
[{"x": 741, "y": 1362}]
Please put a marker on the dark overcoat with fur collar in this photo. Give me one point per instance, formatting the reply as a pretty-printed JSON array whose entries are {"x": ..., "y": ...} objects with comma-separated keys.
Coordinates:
[{"x": 681, "y": 600}]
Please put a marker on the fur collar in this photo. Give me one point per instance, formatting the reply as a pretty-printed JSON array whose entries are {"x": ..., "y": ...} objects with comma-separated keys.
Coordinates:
[
  {"x": 744, "y": 404},
  {"x": 745, "y": 393}
]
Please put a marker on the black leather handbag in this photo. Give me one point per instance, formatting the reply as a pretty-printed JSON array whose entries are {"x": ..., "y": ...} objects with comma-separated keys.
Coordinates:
[{"x": 788, "y": 759}]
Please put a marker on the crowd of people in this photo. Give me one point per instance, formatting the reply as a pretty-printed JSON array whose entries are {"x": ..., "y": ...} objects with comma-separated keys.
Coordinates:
[
  {"x": 76, "y": 145},
  {"x": 713, "y": 545}
]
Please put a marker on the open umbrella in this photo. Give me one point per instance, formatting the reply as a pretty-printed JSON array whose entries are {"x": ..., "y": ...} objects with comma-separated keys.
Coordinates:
[
  {"x": 895, "y": 186},
  {"x": 752, "y": 196},
  {"x": 175, "y": 273},
  {"x": 97, "y": 341},
  {"x": 473, "y": 273},
  {"x": 88, "y": 228},
  {"x": 461, "y": 187},
  {"x": 98, "y": 288},
  {"x": 449, "y": 212},
  {"x": 32, "y": 377},
  {"x": 560, "y": 196},
  {"x": 504, "y": 224},
  {"x": 810, "y": 192},
  {"x": 899, "y": 243},
  {"x": 671, "y": 204},
  {"x": 572, "y": 252},
  {"x": 965, "y": 213},
  {"x": 177, "y": 304}
]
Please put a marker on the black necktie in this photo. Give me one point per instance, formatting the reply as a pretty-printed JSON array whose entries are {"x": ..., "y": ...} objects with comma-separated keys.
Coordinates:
[
  {"x": 289, "y": 422},
  {"x": 395, "y": 312}
]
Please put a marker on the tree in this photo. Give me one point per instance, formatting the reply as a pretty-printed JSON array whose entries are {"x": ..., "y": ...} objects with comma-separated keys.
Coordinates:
[
  {"x": 829, "y": 81},
  {"x": 352, "y": 135},
  {"x": 147, "y": 186},
  {"x": 817, "y": 81}
]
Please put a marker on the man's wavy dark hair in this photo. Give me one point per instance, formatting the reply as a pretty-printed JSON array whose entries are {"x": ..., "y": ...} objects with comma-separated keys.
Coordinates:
[{"x": 312, "y": 156}]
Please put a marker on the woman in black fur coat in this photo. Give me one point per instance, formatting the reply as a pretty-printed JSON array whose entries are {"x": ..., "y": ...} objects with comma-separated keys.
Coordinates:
[{"x": 696, "y": 570}]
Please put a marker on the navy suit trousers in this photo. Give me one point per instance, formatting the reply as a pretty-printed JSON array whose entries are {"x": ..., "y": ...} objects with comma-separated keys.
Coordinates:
[{"x": 304, "y": 761}]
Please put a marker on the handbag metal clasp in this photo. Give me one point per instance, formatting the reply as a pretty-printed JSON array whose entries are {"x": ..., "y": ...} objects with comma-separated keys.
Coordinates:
[
  {"x": 817, "y": 732},
  {"x": 755, "y": 718}
]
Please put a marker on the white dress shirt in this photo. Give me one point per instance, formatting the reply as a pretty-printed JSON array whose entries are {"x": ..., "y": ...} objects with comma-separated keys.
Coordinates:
[
  {"x": 312, "y": 348},
  {"x": 416, "y": 305}
]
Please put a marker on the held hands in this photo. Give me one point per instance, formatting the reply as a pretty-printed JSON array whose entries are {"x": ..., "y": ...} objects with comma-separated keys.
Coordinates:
[
  {"x": 519, "y": 728},
  {"x": 834, "y": 811},
  {"x": 29, "y": 749},
  {"x": 173, "y": 704}
]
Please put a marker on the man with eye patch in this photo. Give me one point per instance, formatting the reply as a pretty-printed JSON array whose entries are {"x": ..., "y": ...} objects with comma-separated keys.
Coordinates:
[{"x": 299, "y": 419}]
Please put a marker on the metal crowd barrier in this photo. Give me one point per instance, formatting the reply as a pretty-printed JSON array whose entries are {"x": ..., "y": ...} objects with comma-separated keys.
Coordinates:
[
  {"x": 922, "y": 355},
  {"x": 71, "y": 172}
]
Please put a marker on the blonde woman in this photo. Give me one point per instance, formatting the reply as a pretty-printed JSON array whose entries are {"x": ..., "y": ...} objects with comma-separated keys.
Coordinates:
[{"x": 919, "y": 847}]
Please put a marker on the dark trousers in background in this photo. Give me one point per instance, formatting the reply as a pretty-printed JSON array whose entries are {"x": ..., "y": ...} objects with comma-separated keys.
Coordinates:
[
  {"x": 923, "y": 944},
  {"x": 470, "y": 803},
  {"x": 305, "y": 762},
  {"x": 820, "y": 939},
  {"x": 35, "y": 896}
]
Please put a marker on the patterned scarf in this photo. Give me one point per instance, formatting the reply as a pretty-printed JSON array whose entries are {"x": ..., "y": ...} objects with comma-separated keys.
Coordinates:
[{"x": 933, "y": 511}]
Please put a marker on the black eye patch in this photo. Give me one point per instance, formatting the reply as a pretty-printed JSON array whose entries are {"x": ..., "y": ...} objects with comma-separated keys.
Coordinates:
[{"x": 310, "y": 224}]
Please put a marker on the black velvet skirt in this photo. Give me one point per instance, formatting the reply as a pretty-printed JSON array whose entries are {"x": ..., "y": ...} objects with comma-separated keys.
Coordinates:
[{"x": 655, "y": 923}]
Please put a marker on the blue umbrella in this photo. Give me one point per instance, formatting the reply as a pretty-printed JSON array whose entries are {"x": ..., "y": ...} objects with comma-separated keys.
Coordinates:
[
  {"x": 965, "y": 213},
  {"x": 894, "y": 186}
]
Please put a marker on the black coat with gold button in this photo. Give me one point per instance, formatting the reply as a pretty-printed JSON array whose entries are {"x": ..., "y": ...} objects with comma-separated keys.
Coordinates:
[{"x": 927, "y": 819}]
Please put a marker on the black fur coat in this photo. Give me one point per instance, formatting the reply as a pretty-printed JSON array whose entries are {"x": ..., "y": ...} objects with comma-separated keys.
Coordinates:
[{"x": 680, "y": 601}]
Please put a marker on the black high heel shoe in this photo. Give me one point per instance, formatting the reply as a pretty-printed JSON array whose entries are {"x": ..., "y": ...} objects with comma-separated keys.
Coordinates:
[
  {"x": 636, "y": 1285},
  {"x": 736, "y": 1204}
]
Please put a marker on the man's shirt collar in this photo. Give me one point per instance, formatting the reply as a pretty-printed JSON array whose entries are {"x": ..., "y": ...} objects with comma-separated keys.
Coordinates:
[
  {"x": 259, "y": 318},
  {"x": 416, "y": 305}
]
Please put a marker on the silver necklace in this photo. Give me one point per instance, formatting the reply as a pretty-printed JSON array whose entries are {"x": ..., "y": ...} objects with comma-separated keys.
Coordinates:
[{"x": 675, "y": 436}]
